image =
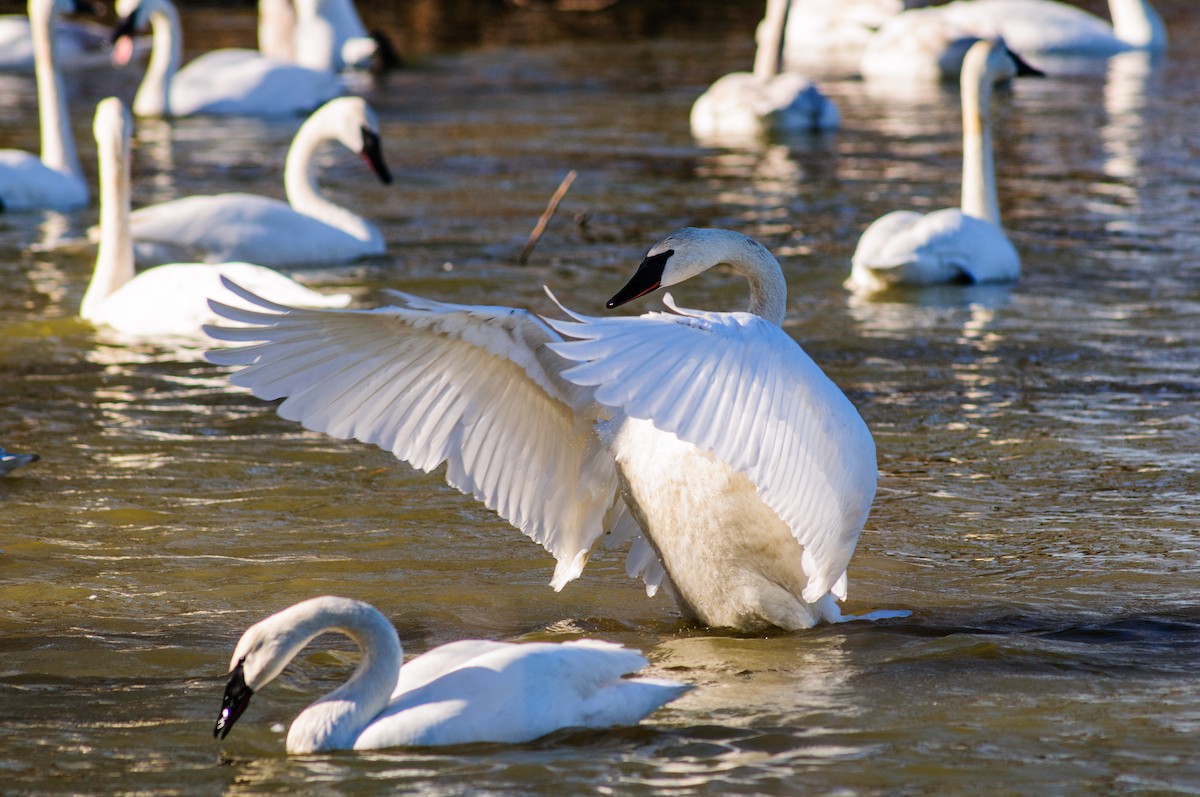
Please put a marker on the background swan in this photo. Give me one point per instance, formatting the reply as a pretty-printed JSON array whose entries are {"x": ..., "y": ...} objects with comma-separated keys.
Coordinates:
[
  {"x": 10, "y": 461},
  {"x": 172, "y": 299},
  {"x": 239, "y": 82},
  {"x": 322, "y": 34},
  {"x": 55, "y": 180},
  {"x": 751, "y": 104},
  {"x": 308, "y": 228},
  {"x": 833, "y": 31},
  {"x": 748, "y": 477},
  {"x": 963, "y": 244},
  {"x": 463, "y": 692},
  {"x": 78, "y": 44}
]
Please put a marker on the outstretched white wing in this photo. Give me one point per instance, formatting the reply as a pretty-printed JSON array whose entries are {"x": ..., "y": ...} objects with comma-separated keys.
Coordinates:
[
  {"x": 736, "y": 385},
  {"x": 474, "y": 387}
]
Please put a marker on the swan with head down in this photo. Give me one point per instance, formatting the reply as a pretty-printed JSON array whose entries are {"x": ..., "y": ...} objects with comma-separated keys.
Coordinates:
[
  {"x": 739, "y": 474},
  {"x": 469, "y": 691},
  {"x": 169, "y": 300},
  {"x": 307, "y": 228},
  {"x": 54, "y": 180}
]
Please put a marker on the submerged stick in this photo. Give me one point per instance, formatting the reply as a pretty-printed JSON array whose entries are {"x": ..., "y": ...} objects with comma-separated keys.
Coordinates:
[{"x": 540, "y": 227}]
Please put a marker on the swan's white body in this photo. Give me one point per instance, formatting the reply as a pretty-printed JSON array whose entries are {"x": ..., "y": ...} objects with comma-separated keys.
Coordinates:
[
  {"x": 929, "y": 43},
  {"x": 963, "y": 244},
  {"x": 837, "y": 30},
  {"x": 766, "y": 101},
  {"x": 234, "y": 82},
  {"x": 78, "y": 45},
  {"x": 709, "y": 440},
  {"x": 55, "y": 180},
  {"x": 308, "y": 228},
  {"x": 169, "y": 300},
  {"x": 463, "y": 692},
  {"x": 10, "y": 461},
  {"x": 321, "y": 34}
]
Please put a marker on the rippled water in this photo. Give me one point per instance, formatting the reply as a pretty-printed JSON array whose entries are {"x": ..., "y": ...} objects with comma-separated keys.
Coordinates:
[{"x": 1037, "y": 444}]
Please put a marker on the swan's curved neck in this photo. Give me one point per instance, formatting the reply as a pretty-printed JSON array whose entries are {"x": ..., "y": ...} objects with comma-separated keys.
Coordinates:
[
  {"x": 154, "y": 94},
  {"x": 58, "y": 145},
  {"x": 979, "y": 170},
  {"x": 768, "y": 289},
  {"x": 114, "y": 256},
  {"x": 770, "y": 39},
  {"x": 300, "y": 185},
  {"x": 336, "y": 720},
  {"x": 1136, "y": 23}
]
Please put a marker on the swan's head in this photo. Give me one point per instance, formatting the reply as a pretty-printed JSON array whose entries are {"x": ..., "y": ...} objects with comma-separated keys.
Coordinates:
[
  {"x": 990, "y": 61},
  {"x": 112, "y": 125},
  {"x": 685, "y": 253},
  {"x": 352, "y": 122},
  {"x": 261, "y": 654}
]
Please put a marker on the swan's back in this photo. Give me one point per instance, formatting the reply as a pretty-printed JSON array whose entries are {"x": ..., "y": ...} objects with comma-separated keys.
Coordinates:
[{"x": 238, "y": 81}]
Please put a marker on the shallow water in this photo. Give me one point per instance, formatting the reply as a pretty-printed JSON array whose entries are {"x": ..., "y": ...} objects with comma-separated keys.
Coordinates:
[{"x": 1037, "y": 444}]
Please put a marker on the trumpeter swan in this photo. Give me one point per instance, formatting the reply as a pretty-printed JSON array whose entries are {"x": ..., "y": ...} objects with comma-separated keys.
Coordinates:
[
  {"x": 709, "y": 440},
  {"x": 469, "y": 691},
  {"x": 78, "y": 44},
  {"x": 237, "y": 82},
  {"x": 10, "y": 461},
  {"x": 55, "y": 180},
  {"x": 322, "y": 34},
  {"x": 308, "y": 228},
  {"x": 963, "y": 244},
  {"x": 745, "y": 105},
  {"x": 168, "y": 300},
  {"x": 822, "y": 32}
]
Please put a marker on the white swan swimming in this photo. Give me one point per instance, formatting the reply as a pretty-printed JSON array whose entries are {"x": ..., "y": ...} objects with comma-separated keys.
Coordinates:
[
  {"x": 10, "y": 461},
  {"x": 752, "y": 104},
  {"x": 469, "y": 691},
  {"x": 964, "y": 244},
  {"x": 239, "y": 82},
  {"x": 168, "y": 300},
  {"x": 825, "y": 31},
  {"x": 748, "y": 472},
  {"x": 322, "y": 34},
  {"x": 308, "y": 228},
  {"x": 55, "y": 180},
  {"x": 929, "y": 43},
  {"x": 78, "y": 44}
]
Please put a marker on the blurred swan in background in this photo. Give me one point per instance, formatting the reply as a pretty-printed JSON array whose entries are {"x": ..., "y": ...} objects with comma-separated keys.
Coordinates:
[
  {"x": 825, "y": 32},
  {"x": 748, "y": 105},
  {"x": 168, "y": 300},
  {"x": 55, "y": 180},
  {"x": 239, "y": 82},
  {"x": 78, "y": 44},
  {"x": 308, "y": 228},
  {"x": 10, "y": 461},
  {"x": 473, "y": 690},
  {"x": 963, "y": 244},
  {"x": 740, "y": 473},
  {"x": 321, "y": 34}
]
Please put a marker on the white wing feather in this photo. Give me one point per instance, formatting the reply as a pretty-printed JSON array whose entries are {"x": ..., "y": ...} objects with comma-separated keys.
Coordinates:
[
  {"x": 474, "y": 387},
  {"x": 736, "y": 385}
]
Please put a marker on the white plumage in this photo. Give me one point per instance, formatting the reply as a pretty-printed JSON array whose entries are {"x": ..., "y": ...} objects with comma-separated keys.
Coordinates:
[
  {"x": 963, "y": 244},
  {"x": 463, "y": 692},
  {"x": 748, "y": 472},
  {"x": 237, "y": 82},
  {"x": 308, "y": 228},
  {"x": 54, "y": 180},
  {"x": 168, "y": 300}
]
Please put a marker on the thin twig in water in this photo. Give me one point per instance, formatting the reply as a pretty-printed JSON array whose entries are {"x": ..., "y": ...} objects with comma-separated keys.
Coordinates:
[{"x": 540, "y": 227}]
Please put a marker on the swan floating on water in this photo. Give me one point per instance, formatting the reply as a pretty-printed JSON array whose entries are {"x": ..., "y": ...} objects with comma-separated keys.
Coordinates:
[
  {"x": 78, "y": 44},
  {"x": 824, "y": 31},
  {"x": 55, "y": 180},
  {"x": 236, "y": 82},
  {"x": 766, "y": 101},
  {"x": 740, "y": 474},
  {"x": 171, "y": 299},
  {"x": 964, "y": 244},
  {"x": 322, "y": 34},
  {"x": 469, "y": 691},
  {"x": 10, "y": 461},
  {"x": 308, "y": 228}
]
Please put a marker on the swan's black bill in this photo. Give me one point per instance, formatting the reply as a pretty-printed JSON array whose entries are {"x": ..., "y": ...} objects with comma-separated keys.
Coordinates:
[
  {"x": 647, "y": 278},
  {"x": 126, "y": 26},
  {"x": 372, "y": 153},
  {"x": 89, "y": 8},
  {"x": 237, "y": 697}
]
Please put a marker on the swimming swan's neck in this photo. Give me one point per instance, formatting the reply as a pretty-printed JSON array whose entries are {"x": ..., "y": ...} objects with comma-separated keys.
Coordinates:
[
  {"x": 1137, "y": 24},
  {"x": 114, "y": 256},
  {"x": 769, "y": 54},
  {"x": 58, "y": 145},
  {"x": 154, "y": 94},
  {"x": 300, "y": 185},
  {"x": 979, "y": 170},
  {"x": 336, "y": 720}
]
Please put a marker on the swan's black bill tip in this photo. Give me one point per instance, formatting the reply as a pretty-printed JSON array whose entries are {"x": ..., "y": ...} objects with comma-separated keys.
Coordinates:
[
  {"x": 648, "y": 278},
  {"x": 233, "y": 704}
]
